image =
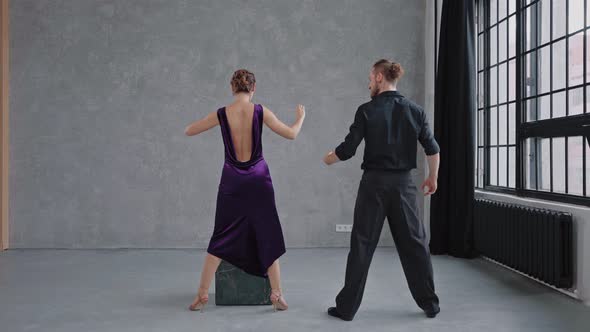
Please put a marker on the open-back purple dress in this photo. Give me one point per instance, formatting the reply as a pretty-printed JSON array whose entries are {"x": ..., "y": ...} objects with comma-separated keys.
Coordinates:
[{"x": 247, "y": 232}]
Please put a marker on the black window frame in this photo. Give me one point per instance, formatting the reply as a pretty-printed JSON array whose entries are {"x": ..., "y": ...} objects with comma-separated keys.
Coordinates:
[{"x": 569, "y": 126}]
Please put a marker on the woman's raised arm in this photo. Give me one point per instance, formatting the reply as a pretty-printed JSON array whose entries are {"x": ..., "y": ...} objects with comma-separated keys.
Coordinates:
[
  {"x": 204, "y": 124},
  {"x": 276, "y": 125}
]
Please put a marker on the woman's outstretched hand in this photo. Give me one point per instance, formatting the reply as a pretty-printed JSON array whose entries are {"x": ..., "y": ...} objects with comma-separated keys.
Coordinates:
[
  {"x": 300, "y": 110},
  {"x": 276, "y": 125}
]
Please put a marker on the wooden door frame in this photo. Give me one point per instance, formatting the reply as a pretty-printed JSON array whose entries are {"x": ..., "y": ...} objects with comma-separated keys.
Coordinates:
[{"x": 4, "y": 134}]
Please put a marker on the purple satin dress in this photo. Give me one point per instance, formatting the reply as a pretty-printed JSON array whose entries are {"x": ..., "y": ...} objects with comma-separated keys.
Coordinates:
[{"x": 247, "y": 230}]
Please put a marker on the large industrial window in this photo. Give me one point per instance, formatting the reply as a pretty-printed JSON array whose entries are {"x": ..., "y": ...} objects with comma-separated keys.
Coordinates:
[{"x": 532, "y": 95}]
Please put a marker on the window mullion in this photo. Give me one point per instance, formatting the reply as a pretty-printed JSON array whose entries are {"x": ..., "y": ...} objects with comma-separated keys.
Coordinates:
[
  {"x": 584, "y": 92},
  {"x": 520, "y": 70}
]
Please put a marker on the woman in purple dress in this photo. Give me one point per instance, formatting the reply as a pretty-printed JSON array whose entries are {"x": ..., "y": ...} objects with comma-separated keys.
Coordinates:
[{"x": 247, "y": 230}]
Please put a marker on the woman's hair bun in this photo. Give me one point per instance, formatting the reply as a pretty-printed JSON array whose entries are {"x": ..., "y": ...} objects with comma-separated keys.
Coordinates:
[{"x": 243, "y": 81}]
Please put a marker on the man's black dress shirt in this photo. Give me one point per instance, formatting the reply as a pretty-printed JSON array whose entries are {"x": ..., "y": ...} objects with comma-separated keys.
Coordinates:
[{"x": 391, "y": 126}]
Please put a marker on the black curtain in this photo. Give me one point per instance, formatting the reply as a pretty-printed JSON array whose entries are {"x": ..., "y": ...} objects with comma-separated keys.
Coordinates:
[{"x": 451, "y": 214}]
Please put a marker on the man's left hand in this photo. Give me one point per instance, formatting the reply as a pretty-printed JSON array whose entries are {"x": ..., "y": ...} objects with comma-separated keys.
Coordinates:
[
  {"x": 430, "y": 184},
  {"x": 330, "y": 158}
]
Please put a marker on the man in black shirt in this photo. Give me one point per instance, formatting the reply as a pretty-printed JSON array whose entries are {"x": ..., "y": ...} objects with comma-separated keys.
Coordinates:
[{"x": 391, "y": 125}]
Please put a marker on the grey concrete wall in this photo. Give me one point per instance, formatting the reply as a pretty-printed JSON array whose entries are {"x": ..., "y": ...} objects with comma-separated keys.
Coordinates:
[{"x": 102, "y": 90}]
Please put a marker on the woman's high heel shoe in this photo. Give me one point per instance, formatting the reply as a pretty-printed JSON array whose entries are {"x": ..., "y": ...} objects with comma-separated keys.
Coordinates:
[
  {"x": 200, "y": 302},
  {"x": 277, "y": 299}
]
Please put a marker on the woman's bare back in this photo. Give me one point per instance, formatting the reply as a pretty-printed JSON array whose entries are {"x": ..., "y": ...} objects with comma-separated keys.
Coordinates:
[{"x": 240, "y": 116}]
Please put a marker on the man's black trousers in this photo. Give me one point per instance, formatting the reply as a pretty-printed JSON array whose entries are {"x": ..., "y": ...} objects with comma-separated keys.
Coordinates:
[{"x": 388, "y": 194}]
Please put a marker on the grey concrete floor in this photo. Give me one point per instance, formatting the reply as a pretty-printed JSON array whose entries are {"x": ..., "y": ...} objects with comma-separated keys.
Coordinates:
[{"x": 149, "y": 290}]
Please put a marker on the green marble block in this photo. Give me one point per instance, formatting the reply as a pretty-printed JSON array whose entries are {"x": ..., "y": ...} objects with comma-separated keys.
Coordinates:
[{"x": 233, "y": 286}]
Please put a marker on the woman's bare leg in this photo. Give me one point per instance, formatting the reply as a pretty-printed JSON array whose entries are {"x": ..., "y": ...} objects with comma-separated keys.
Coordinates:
[
  {"x": 274, "y": 276},
  {"x": 207, "y": 273},
  {"x": 209, "y": 267}
]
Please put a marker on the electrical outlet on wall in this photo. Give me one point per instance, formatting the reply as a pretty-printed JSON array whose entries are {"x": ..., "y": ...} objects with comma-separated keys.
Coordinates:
[{"x": 343, "y": 228}]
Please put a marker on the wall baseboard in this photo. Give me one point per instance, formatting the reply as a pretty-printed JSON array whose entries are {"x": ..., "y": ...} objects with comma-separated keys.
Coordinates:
[{"x": 573, "y": 293}]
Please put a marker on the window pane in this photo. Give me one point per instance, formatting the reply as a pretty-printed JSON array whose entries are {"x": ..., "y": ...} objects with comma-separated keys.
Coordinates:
[
  {"x": 512, "y": 167},
  {"x": 544, "y": 72},
  {"x": 544, "y": 107},
  {"x": 502, "y": 83},
  {"x": 494, "y": 86},
  {"x": 559, "y": 157},
  {"x": 530, "y": 80},
  {"x": 480, "y": 52},
  {"x": 480, "y": 129},
  {"x": 532, "y": 109},
  {"x": 576, "y": 59},
  {"x": 480, "y": 11},
  {"x": 559, "y": 67},
  {"x": 493, "y": 45},
  {"x": 477, "y": 128},
  {"x": 559, "y": 20},
  {"x": 493, "y": 11},
  {"x": 503, "y": 167},
  {"x": 480, "y": 90},
  {"x": 511, "y": 80},
  {"x": 502, "y": 41},
  {"x": 480, "y": 169},
  {"x": 494, "y": 166},
  {"x": 512, "y": 36},
  {"x": 576, "y": 15},
  {"x": 588, "y": 51},
  {"x": 576, "y": 101},
  {"x": 574, "y": 167},
  {"x": 475, "y": 171},
  {"x": 502, "y": 9},
  {"x": 511, "y": 6},
  {"x": 503, "y": 125},
  {"x": 530, "y": 163},
  {"x": 544, "y": 160},
  {"x": 494, "y": 126},
  {"x": 559, "y": 104},
  {"x": 530, "y": 28},
  {"x": 544, "y": 21},
  {"x": 511, "y": 123}
]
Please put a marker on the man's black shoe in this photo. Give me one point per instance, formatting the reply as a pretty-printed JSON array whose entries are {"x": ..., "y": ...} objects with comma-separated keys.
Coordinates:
[
  {"x": 431, "y": 313},
  {"x": 333, "y": 312}
]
